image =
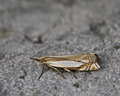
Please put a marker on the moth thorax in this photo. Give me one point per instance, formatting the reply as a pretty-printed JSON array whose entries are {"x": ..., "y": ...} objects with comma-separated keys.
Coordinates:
[{"x": 41, "y": 60}]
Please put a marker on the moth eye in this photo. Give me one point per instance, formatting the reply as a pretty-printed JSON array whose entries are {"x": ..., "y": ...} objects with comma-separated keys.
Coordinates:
[{"x": 97, "y": 57}]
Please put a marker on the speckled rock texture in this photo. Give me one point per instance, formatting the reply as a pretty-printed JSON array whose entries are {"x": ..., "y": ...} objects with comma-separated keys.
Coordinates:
[{"x": 58, "y": 27}]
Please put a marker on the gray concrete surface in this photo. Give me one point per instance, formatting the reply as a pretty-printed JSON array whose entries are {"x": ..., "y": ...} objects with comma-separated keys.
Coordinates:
[{"x": 53, "y": 27}]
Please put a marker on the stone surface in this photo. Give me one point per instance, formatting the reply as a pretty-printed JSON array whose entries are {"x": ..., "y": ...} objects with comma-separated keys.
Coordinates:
[{"x": 56, "y": 27}]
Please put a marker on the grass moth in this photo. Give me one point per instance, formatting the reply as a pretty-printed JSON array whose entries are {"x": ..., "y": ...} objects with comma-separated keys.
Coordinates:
[{"x": 80, "y": 62}]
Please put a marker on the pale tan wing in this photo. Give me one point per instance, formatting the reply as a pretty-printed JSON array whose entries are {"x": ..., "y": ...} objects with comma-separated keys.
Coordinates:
[{"x": 65, "y": 64}]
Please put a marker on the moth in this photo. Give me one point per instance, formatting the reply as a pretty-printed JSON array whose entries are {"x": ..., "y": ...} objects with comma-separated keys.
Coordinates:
[{"x": 80, "y": 62}]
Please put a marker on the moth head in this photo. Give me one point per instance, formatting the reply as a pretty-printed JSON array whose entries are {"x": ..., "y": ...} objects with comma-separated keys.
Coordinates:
[
  {"x": 97, "y": 57},
  {"x": 37, "y": 59},
  {"x": 92, "y": 67}
]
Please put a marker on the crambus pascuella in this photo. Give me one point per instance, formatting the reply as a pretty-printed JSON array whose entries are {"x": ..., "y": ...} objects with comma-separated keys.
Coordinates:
[{"x": 80, "y": 62}]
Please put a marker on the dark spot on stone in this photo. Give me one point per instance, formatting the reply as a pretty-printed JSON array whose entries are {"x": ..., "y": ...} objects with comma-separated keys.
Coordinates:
[
  {"x": 1, "y": 87},
  {"x": 117, "y": 47},
  {"x": 37, "y": 91},
  {"x": 36, "y": 39},
  {"x": 94, "y": 26},
  {"x": 22, "y": 77},
  {"x": 25, "y": 73},
  {"x": 66, "y": 3},
  {"x": 3, "y": 31},
  {"x": 88, "y": 72},
  {"x": 27, "y": 38},
  {"x": 76, "y": 85},
  {"x": 55, "y": 87},
  {"x": 67, "y": 42},
  {"x": 1, "y": 55},
  {"x": 96, "y": 48},
  {"x": 39, "y": 40},
  {"x": 19, "y": 88}
]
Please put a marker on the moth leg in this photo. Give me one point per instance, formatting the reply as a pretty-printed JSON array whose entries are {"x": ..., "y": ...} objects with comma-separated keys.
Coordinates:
[
  {"x": 70, "y": 72},
  {"x": 56, "y": 70},
  {"x": 43, "y": 68}
]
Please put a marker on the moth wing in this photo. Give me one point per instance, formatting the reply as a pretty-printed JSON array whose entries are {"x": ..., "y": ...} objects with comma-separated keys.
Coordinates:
[
  {"x": 65, "y": 64},
  {"x": 81, "y": 57}
]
